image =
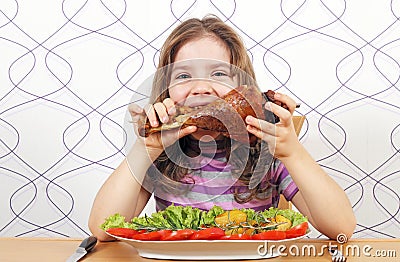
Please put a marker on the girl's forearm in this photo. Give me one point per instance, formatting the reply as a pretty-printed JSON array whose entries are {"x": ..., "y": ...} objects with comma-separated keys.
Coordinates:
[
  {"x": 139, "y": 159},
  {"x": 120, "y": 192},
  {"x": 327, "y": 203}
]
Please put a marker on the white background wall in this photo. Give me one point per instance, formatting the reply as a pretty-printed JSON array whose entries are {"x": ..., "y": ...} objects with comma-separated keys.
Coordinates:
[{"x": 68, "y": 68}]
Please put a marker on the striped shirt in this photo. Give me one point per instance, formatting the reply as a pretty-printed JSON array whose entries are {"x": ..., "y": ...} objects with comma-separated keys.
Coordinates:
[{"x": 212, "y": 183}]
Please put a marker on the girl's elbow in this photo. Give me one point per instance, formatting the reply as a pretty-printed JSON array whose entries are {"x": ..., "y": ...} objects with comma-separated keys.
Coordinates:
[
  {"x": 351, "y": 227},
  {"x": 99, "y": 234},
  {"x": 104, "y": 237},
  {"x": 346, "y": 230}
]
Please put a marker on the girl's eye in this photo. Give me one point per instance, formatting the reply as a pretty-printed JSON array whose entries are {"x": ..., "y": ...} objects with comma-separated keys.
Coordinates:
[
  {"x": 219, "y": 73},
  {"x": 223, "y": 76},
  {"x": 182, "y": 76}
]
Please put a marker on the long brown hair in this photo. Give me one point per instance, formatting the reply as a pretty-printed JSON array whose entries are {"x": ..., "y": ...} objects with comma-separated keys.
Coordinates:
[{"x": 175, "y": 170}]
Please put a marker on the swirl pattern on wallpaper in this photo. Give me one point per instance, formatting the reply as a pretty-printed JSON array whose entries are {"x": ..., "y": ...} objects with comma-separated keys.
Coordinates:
[{"x": 69, "y": 68}]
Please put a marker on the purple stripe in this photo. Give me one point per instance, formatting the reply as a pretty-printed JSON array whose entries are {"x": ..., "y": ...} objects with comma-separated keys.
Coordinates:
[
  {"x": 224, "y": 190},
  {"x": 210, "y": 168},
  {"x": 209, "y": 181},
  {"x": 290, "y": 191},
  {"x": 281, "y": 172}
]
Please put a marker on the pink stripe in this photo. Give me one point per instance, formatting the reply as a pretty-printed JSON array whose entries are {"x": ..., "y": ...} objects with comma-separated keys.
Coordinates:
[
  {"x": 210, "y": 182},
  {"x": 210, "y": 163}
]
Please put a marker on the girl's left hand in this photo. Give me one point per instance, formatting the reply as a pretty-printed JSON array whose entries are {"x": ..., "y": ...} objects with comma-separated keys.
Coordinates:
[{"x": 281, "y": 137}]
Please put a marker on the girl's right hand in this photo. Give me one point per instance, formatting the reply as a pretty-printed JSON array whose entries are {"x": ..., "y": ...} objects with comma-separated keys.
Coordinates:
[{"x": 163, "y": 111}]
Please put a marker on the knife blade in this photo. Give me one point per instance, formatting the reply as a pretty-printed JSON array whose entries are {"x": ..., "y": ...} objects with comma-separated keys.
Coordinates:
[{"x": 85, "y": 247}]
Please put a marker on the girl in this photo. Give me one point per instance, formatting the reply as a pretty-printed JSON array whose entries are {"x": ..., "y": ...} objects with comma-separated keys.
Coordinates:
[{"x": 217, "y": 170}]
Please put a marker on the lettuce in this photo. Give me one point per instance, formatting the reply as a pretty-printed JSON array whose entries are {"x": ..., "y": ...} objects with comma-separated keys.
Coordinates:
[
  {"x": 179, "y": 217},
  {"x": 298, "y": 218},
  {"x": 191, "y": 217},
  {"x": 116, "y": 220},
  {"x": 269, "y": 213},
  {"x": 295, "y": 217},
  {"x": 173, "y": 217},
  {"x": 250, "y": 213},
  {"x": 209, "y": 216}
]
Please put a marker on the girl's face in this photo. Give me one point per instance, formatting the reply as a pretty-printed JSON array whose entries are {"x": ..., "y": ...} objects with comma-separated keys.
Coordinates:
[{"x": 196, "y": 63}]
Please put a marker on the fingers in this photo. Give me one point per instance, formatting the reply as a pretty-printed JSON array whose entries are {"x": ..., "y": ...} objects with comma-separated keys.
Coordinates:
[
  {"x": 256, "y": 123},
  {"x": 268, "y": 132},
  {"x": 261, "y": 133},
  {"x": 186, "y": 131},
  {"x": 160, "y": 112},
  {"x": 170, "y": 136},
  {"x": 259, "y": 127},
  {"x": 135, "y": 112},
  {"x": 151, "y": 115},
  {"x": 170, "y": 106},
  {"x": 287, "y": 100},
  {"x": 178, "y": 133},
  {"x": 285, "y": 117}
]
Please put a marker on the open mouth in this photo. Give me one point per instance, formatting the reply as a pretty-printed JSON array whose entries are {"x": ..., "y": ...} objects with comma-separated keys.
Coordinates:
[{"x": 198, "y": 101}]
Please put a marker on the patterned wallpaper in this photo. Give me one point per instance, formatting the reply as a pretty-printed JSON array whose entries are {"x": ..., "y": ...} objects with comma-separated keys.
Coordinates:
[{"x": 69, "y": 68}]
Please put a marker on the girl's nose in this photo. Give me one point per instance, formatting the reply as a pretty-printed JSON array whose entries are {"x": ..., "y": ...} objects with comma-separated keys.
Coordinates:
[{"x": 202, "y": 88}]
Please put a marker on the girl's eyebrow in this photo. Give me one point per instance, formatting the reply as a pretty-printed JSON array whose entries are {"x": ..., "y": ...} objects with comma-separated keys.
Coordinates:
[
  {"x": 221, "y": 64},
  {"x": 211, "y": 64},
  {"x": 181, "y": 67}
]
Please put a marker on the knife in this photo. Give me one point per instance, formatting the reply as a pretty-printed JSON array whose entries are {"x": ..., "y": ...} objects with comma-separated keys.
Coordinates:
[{"x": 85, "y": 247}]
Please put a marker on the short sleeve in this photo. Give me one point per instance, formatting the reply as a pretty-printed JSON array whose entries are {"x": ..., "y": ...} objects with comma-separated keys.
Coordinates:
[
  {"x": 150, "y": 179},
  {"x": 286, "y": 185}
]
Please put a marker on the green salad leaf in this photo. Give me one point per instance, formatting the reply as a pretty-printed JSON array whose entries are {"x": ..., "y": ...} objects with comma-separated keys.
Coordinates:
[
  {"x": 209, "y": 216},
  {"x": 179, "y": 217},
  {"x": 295, "y": 217},
  {"x": 116, "y": 221}
]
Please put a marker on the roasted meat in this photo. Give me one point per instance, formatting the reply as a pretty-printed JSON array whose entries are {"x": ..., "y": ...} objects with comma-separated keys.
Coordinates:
[{"x": 225, "y": 115}]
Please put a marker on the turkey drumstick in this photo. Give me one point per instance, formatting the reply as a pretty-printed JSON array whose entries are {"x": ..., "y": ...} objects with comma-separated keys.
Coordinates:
[{"x": 225, "y": 115}]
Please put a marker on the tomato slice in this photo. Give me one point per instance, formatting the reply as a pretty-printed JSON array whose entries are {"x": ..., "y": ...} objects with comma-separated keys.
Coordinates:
[
  {"x": 270, "y": 235},
  {"x": 211, "y": 233},
  {"x": 152, "y": 236},
  {"x": 181, "y": 234},
  {"x": 122, "y": 232},
  {"x": 297, "y": 231},
  {"x": 236, "y": 237}
]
